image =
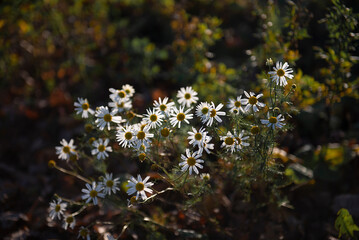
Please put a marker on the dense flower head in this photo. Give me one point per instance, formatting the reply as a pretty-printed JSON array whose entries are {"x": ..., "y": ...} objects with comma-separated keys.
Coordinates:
[
  {"x": 163, "y": 105},
  {"x": 153, "y": 118},
  {"x": 93, "y": 192},
  {"x": 187, "y": 96},
  {"x": 66, "y": 149},
  {"x": 253, "y": 102},
  {"x": 57, "y": 209},
  {"x": 109, "y": 184},
  {"x": 83, "y": 107},
  {"x": 273, "y": 121},
  {"x": 140, "y": 186},
  {"x": 191, "y": 162},
  {"x": 105, "y": 117},
  {"x": 236, "y": 105},
  {"x": 180, "y": 115},
  {"x": 280, "y": 73},
  {"x": 101, "y": 148},
  {"x": 126, "y": 136}
]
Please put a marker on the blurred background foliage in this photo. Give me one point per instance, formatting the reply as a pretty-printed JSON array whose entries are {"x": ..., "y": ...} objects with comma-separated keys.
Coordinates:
[{"x": 55, "y": 51}]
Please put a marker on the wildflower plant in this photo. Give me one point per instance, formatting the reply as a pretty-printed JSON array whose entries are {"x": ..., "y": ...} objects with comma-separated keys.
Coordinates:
[{"x": 179, "y": 146}]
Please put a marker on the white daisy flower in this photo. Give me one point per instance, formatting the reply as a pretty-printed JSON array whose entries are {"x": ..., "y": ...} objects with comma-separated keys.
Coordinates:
[
  {"x": 235, "y": 105},
  {"x": 273, "y": 121},
  {"x": 203, "y": 110},
  {"x": 153, "y": 118},
  {"x": 120, "y": 105},
  {"x": 84, "y": 233},
  {"x": 179, "y": 115},
  {"x": 57, "y": 209},
  {"x": 118, "y": 94},
  {"x": 281, "y": 71},
  {"x": 142, "y": 136},
  {"x": 66, "y": 150},
  {"x": 240, "y": 140},
  {"x": 197, "y": 137},
  {"x": 163, "y": 106},
  {"x": 69, "y": 221},
  {"x": 129, "y": 90},
  {"x": 252, "y": 101},
  {"x": 187, "y": 96},
  {"x": 104, "y": 117},
  {"x": 101, "y": 148},
  {"x": 92, "y": 192},
  {"x": 125, "y": 136},
  {"x": 214, "y": 113},
  {"x": 205, "y": 176},
  {"x": 83, "y": 107},
  {"x": 191, "y": 162},
  {"x": 139, "y": 186},
  {"x": 109, "y": 184},
  {"x": 229, "y": 142},
  {"x": 206, "y": 145}
]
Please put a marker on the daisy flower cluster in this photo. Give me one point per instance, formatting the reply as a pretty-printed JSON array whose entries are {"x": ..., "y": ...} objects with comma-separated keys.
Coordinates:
[{"x": 207, "y": 130}]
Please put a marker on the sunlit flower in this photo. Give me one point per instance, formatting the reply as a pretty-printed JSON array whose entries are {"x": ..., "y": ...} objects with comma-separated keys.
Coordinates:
[
  {"x": 206, "y": 145},
  {"x": 281, "y": 71},
  {"x": 252, "y": 101},
  {"x": 203, "y": 110},
  {"x": 92, "y": 192},
  {"x": 214, "y": 113},
  {"x": 187, "y": 96},
  {"x": 118, "y": 94},
  {"x": 120, "y": 105},
  {"x": 84, "y": 233},
  {"x": 273, "y": 122},
  {"x": 142, "y": 136},
  {"x": 153, "y": 118},
  {"x": 139, "y": 186},
  {"x": 191, "y": 162},
  {"x": 163, "y": 106},
  {"x": 229, "y": 142},
  {"x": 104, "y": 117},
  {"x": 109, "y": 184},
  {"x": 235, "y": 105},
  {"x": 69, "y": 221},
  {"x": 179, "y": 115},
  {"x": 197, "y": 137},
  {"x": 66, "y": 150},
  {"x": 101, "y": 148},
  {"x": 57, "y": 209},
  {"x": 125, "y": 136},
  {"x": 205, "y": 176},
  {"x": 83, "y": 107},
  {"x": 129, "y": 90},
  {"x": 240, "y": 140}
]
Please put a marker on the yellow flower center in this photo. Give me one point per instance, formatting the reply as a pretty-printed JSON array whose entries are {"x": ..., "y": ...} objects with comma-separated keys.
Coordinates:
[
  {"x": 163, "y": 107},
  {"x": 66, "y": 149},
  {"x": 128, "y": 135},
  {"x": 191, "y": 161},
  {"x": 239, "y": 140},
  {"x": 85, "y": 106},
  {"x": 165, "y": 132},
  {"x": 57, "y": 208},
  {"x": 255, "y": 130},
  {"x": 252, "y": 100},
  {"x": 229, "y": 141},
  {"x": 83, "y": 232},
  {"x": 198, "y": 136},
  {"x": 181, "y": 116},
  {"x": 107, "y": 117},
  {"x": 205, "y": 110},
  {"x": 140, "y": 186},
  {"x": 273, "y": 120},
  {"x": 122, "y": 94},
  {"x": 187, "y": 96},
  {"x": 280, "y": 72},
  {"x": 235, "y": 111},
  {"x": 213, "y": 113},
  {"x": 127, "y": 91},
  {"x": 237, "y": 104},
  {"x": 93, "y": 193},
  {"x": 69, "y": 219},
  {"x": 88, "y": 127},
  {"x": 121, "y": 105},
  {"x": 153, "y": 118},
  {"x": 73, "y": 157},
  {"x": 101, "y": 148},
  {"x": 142, "y": 156},
  {"x": 109, "y": 183},
  {"x": 141, "y": 135},
  {"x": 130, "y": 115},
  {"x": 91, "y": 140},
  {"x": 133, "y": 199}
]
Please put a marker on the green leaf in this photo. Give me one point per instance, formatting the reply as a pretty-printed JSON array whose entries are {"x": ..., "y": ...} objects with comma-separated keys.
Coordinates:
[{"x": 345, "y": 223}]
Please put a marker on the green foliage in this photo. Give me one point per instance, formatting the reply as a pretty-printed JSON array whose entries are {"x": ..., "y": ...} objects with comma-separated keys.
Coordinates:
[{"x": 345, "y": 224}]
